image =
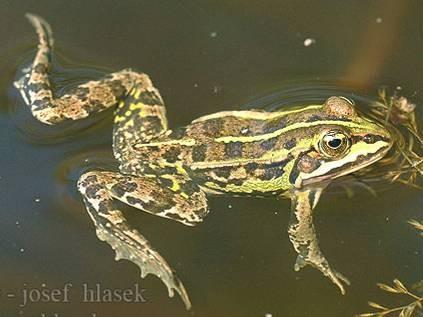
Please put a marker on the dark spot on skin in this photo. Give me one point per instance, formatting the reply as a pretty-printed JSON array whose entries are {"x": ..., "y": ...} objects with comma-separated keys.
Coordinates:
[
  {"x": 213, "y": 126},
  {"x": 178, "y": 133},
  {"x": 224, "y": 172},
  {"x": 199, "y": 153},
  {"x": 130, "y": 99},
  {"x": 294, "y": 174},
  {"x": 372, "y": 138},
  {"x": 41, "y": 104},
  {"x": 171, "y": 155},
  {"x": 118, "y": 90},
  {"x": 314, "y": 118},
  {"x": 118, "y": 190},
  {"x": 290, "y": 144},
  {"x": 89, "y": 179},
  {"x": 304, "y": 249},
  {"x": 166, "y": 182},
  {"x": 250, "y": 167},
  {"x": 152, "y": 124},
  {"x": 237, "y": 182},
  {"x": 275, "y": 169},
  {"x": 81, "y": 92},
  {"x": 93, "y": 106},
  {"x": 150, "y": 98},
  {"x": 40, "y": 69},
  {"x": 233, "y": 149},
  {"x": 54, "y": 119},
  {"x": 103, "y": 207},
  {"x": 129, "y": 186},
  {"x": 202, "y": 212},
  {"x": 168, "y": 170},
  {"x": 92, "y": 190},
  {"x": 335, "y": 118},
  {"x": 272, "y": 172},
  {"x": 152, "y": 206},
  {"x": 274, "y": 126},
  {"x": 268, "y": 144},
  {"x": 368, "y": 138},
  {"x": 189, "y": 188},
  {"x": 36, "y": 87},
  {"x": 134, "y": 201}
]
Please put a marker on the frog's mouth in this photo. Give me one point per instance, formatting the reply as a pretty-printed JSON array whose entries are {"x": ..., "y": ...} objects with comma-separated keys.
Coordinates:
[{"x": 336, "y": 169}]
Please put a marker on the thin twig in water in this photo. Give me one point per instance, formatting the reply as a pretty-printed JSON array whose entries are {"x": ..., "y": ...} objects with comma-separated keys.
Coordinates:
[
  {"x": 403, "y": 311},
  {"x": 415, "y": 306}
]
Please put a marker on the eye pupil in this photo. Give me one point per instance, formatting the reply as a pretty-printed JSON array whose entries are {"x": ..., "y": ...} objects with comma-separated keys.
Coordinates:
[{"x": 335, "y": 143}]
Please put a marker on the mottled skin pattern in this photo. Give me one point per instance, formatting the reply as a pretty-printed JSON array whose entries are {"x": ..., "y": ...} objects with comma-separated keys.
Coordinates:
[{"x": 293, "y": 154}]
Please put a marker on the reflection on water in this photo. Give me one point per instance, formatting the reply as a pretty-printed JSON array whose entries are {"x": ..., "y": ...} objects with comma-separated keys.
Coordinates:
[{"x": 239, "y": 262}]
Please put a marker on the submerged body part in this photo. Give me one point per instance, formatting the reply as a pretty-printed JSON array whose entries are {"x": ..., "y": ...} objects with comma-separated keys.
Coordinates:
[{"x": 293, "y": 153}]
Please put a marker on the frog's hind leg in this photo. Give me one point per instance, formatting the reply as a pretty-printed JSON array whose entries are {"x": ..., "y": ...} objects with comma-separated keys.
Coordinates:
[
  {"x": 76, "y": 103},
  {"x": 139, "y": 118},
  {"x": 183, "y": 202}
]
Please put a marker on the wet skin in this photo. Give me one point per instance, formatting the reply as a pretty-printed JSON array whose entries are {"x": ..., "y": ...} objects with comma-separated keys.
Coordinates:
[{"x": 293, "y": 153}]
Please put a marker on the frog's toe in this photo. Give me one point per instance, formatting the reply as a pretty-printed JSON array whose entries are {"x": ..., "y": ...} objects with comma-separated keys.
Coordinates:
[{"x": 338, "y": 278}]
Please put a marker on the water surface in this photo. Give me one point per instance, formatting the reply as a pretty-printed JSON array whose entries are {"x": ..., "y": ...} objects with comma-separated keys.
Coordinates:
[{"x": 204, "y": 56}]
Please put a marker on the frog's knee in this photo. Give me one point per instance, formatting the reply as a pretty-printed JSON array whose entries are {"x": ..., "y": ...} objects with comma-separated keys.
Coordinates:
[{"x": 87, "y": 179}]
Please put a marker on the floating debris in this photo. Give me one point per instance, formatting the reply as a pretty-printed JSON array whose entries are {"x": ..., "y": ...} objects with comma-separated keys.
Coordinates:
[
  {"x": 417, "y": 225},
  {"x": 379, "y": 20},
  {"x": 309, "y": 41},
  {"x": 217, "y": 89},
  {"x": 213, "y": 34}
]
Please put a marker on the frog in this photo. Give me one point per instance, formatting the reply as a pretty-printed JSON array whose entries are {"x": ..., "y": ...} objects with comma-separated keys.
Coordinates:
[{"x": 292, "y": 153}]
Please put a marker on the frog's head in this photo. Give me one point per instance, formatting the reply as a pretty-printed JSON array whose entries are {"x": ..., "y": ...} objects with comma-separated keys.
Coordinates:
[{"x": 343, "y": 143}]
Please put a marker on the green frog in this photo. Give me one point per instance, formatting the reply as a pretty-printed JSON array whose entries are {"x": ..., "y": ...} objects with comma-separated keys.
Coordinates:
[{"x": 294, "y": 153}]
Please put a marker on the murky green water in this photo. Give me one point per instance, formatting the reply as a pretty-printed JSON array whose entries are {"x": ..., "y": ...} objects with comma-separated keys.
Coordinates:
[{"x": 204, "y": 56}]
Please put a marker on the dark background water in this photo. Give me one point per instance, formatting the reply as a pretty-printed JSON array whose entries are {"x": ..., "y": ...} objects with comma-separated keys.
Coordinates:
[{"x": 204, "y": 56}]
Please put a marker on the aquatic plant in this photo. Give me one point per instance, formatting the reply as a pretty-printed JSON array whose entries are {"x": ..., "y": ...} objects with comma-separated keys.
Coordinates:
[
  {"x": 405, "y": 162},
  {"x": 416, "y": 304}
]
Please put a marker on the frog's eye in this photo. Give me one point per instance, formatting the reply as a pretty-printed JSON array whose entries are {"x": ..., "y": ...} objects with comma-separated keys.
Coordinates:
[{"x": 334, "y": 143}]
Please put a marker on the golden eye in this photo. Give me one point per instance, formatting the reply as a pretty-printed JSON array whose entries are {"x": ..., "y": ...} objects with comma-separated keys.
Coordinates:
[{"x": 334, "y": 143}]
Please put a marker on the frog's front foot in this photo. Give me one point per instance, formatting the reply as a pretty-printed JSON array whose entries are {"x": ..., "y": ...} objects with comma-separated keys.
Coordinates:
[
  {"x": 303, "y": 237},
  {"x": 336, "y": 277}
]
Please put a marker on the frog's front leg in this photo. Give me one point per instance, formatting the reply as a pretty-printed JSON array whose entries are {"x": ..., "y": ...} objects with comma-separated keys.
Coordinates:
[
  {"x": 303, "y": 236},
  {"x": 180, "y": 201}
]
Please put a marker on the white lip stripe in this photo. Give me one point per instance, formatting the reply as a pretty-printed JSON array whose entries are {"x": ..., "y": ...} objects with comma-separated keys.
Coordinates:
[{"x": 327, "y": 167}]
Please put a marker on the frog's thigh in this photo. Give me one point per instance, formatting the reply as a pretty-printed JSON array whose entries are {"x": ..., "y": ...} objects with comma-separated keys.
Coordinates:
[
  {"x": 139, "y": 118},
  {"x": 173, "y": 197}
]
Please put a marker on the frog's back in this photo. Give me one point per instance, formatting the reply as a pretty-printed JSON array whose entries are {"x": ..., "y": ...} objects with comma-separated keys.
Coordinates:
[{"x": 246, "y": 123}]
